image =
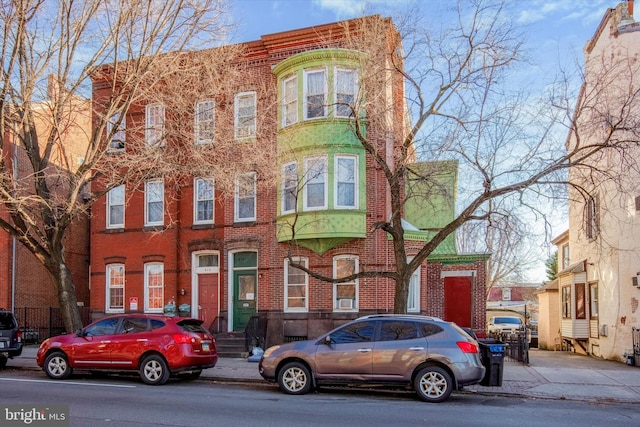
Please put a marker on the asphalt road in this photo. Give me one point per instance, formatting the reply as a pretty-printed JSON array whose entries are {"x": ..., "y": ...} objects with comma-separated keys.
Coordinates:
[{"x": 118, "y": 401}]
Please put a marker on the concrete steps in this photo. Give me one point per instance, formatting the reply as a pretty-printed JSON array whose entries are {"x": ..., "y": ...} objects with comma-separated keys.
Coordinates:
[{"x": 231, "y": 345}]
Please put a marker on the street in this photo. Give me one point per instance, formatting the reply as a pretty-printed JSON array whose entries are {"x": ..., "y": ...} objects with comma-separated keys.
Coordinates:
[{"x": 125, "y": 401}]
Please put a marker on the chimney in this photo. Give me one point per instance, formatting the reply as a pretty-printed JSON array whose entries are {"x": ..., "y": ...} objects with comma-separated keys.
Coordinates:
[{"x": 630, "y": 7}]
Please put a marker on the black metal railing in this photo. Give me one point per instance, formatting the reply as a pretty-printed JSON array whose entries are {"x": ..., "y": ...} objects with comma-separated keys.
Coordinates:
[
  {"x": 40, "y": 323},
  {"x": 255, "y": 333},
  {"x": 517, "y": 346}
]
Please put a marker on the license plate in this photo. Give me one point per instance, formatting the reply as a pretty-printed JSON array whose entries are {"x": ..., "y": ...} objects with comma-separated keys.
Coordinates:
[{"x": 205, "y": 346}]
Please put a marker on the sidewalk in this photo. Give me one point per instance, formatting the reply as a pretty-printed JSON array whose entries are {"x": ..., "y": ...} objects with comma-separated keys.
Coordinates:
[{"x": 550, "y": 375}]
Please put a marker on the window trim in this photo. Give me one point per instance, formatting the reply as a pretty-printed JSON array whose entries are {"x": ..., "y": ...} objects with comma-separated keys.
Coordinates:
[
  {"x": 356, "y": 301},
  {"x": 197, "y": 200},
  {"x": 592, "y": 218},
  {"x": 108, "y": 287},
  {"x": 414, "y": 282},
  {"x": 305, "y": 184},
  {"x": 110, "y": 205},
  {"x": 236, "y": 122},
  {"x": 147, "y": 222},
  {"x": 236, "y": 216},
  {"x": 336, "y": 108},
  {"x": 286, "y": 102},
  {"x": 304, "y": 261},
  {"x": 147, "y": 267},
  {"x": 306, "y": 73},
  {"x": 121, "y": 131},
  {"x": 593, "y": 301},
  {"x": 197, "y": 119},
  {"x": 565, "y": 302},
  {"x": 286, "y": 190},
  {"x": 580, "y": 301},
  {"x": 336, "y": 177},
  {"x": 154, "y": 132}
]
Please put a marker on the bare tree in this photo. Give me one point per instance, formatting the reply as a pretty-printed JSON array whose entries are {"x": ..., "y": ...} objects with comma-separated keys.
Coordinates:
[
  {"x": 122, "y": 47},
  {"x": 464, "y": 104}
]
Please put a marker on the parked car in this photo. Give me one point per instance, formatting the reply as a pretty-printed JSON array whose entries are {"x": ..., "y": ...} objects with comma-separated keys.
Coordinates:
[
  {"x": 10, "y": 337},
  {"x": 426, "y": 353},
  {"x": 504, "y": 325},
  {"x": 156, "y": 346}
]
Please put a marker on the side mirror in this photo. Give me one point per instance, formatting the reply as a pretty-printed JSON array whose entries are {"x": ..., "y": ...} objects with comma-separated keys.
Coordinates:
[
  {"x": 79, "y": 333},
  {"x": 327, "y": 340}
]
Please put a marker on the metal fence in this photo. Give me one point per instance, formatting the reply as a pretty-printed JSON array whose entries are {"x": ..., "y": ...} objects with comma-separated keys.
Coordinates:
[
  {"x": 40, "y": 323},
  {"x": 517, "y": 346}
]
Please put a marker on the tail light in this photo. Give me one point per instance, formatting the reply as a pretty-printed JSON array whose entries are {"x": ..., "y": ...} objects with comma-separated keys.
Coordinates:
[
  {"x": 183, "y": 339},
  {"x": 19, "y": 336},
  {"x": 467, "y": 347}
]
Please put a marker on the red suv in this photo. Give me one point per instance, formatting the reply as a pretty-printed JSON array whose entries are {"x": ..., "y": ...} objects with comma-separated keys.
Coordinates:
[{"x": 154, "y": 345}]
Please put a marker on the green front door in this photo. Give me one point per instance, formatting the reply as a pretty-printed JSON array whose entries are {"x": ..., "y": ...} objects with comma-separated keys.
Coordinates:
[{"x": 245, "y": 286}]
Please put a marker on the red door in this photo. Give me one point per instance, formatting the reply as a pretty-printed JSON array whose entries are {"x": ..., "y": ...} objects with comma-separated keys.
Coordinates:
[
  {"x": 208, "y": 298},
  {"x": 457, "y": 300}
]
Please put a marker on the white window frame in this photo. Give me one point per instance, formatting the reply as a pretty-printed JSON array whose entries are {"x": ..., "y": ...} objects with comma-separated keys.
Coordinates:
[
  {"x": 290, "y": 101},
  {"x": 117, "y": 136},
  {"x": 312, "y": 174},
  {"x": 289, "y": 187},
  {"x": 307, "y": 93},
  {"x": 304, "y": 285},
  {"x": 240, "y": 194},
  {"x": 113, "y": 201},
  {"x": 413, "y": 298},
  {"x": 244, "y": 131},
  {"x": 338, "y": 107},
  {"x": 153, "y": 291},
  {"x": 154, "y": 121},
  {"x": 197, "y": 199},
  {"x": 337, "y": 181},
  {"x": 204, "y": 122},
  {"x": 148, "y": 200},
  {"x": 355, "y": 300},
  {"x": 111, "y": 287}
]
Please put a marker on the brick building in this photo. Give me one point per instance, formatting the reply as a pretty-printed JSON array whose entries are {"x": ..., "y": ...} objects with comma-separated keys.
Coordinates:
[{"x": 226, "y": 255}]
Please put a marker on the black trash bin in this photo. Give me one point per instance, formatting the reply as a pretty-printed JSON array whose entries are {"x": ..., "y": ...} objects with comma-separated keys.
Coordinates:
[{"x": 492, "y": 355}]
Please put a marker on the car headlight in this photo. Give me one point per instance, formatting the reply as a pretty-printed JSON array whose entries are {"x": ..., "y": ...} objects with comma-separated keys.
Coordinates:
[{"x": 270, "y": 350}]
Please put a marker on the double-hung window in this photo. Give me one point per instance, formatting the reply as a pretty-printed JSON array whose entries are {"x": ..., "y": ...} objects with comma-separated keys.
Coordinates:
[
  {"x": 315, "y": 93},
  {"x": 315, "y": 183},
  {"x": 245, "y": 115},
  {"x": 289, "y": 187},
  {"x": 154, "y": 202},
  {"x": 296, "y": 286},
  {"x": 115, "y": 207},
  {"x": 115, "y": 288},
  {"x": 203, "y": 201},
  {"x": 154, "y": 132},
  {"x": 413, "y": 300},
  {"x": 346, "y": 89},
  {"x": 345, "y": 294},
  {"x": 153, "y": 287},
  {"x": 592, "y": 218},
  {"x": 245, "y": 197},
  {"x": 204, "y": 122},
  {"x": 116, "y": 131},
  {"x": 290, "y": 101},
  {"x": 566, "y": 302},
  {"x": 345, "y": 182}
]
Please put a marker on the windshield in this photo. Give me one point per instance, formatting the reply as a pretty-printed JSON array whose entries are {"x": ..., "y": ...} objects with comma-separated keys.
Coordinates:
[{"x": 509, "y": 320}]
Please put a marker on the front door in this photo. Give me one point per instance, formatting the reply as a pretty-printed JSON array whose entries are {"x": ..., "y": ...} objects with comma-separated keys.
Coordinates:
[
  {"x": 457, "y": 300},
  {"x": 208, "y": 298},
  {"x": 245, "y": 286}
]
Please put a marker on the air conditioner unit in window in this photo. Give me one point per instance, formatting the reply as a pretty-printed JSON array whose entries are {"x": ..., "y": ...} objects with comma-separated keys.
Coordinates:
[{"x": 345, "y": 303}]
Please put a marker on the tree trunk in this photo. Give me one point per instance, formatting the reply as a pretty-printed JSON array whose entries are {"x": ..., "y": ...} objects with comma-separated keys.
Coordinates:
[{"x": 67, "y": 299}]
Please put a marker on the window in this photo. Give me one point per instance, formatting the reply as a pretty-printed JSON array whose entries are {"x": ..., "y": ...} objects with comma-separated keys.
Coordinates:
[
  {"x": 289, "y": 101},
  {"x": 581, "y": 300},
  {"x": 131, "y": 325},
  {"x": 397, "y": 330},
  {"x": 115, "y": 288},
  {"x": 566, "y": 302},
  {"x": 204, "y": 122},
  {"x": 592, "y": 219},
  {"x": 104, "y": 327},
  {"x": 296, "y": 286},
  {"x": 203, "y": 201},
  {"x": 358, "y": 332},
  {"x": 116, "y": 131},
  {"x": 346, "y": 88},
  {"x": 345, "y": 293},
  {"x": 155, "y": 125},
  {"x": 153, "y": 287},
  {"x": 565, "y": 256},
  {"x": 345, "y": 182},
  {"x": 315, "y": 183},
  {"x": 506, "y": 294},
  {"x": 289, "y": 187},
  {"x": 115, "y": 207},
  {"x": 245, "y": 115},
  {"x": 413, "y": 300},
  {"x": 154, "y": 203},
  {"x": 245, "y": 197},
  {"x": 593, "y": 307},
  {"x": 315, "y": 93}
]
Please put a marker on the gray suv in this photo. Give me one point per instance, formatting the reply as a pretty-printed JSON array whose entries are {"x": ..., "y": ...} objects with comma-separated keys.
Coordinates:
[
  {"x": 10, "y": 337},
  {"x": 427, "y": 354}
]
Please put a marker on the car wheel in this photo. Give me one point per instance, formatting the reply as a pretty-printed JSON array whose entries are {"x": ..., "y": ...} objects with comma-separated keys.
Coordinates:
[
  {"x": 433, "y": 384},
  {"x": 56, "y": 366},
  {"x": 154, "y": 370},
  {"x": 294, "y": 378},
  {"x": 3, "y": 361}
]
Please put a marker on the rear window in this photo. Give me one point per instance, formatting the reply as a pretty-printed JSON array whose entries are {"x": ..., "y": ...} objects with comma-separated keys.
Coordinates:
[
  {"x": 6, "y": 321},
  {"x": 192, "y": 326},
  {"x": 508, "y": 320},
  {"x": 429, "y": 329},
  {"x": 398, "y": 330},
  {"x": 156, "y": 324}
]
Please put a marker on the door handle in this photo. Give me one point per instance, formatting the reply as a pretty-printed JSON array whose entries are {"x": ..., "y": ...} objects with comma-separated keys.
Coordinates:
[
  {"x": 416, "y": 348},
  {"x": 142, "y": 340},
  {"x": 364, "y": 350},
  {"x": 105, "y": 342}
]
